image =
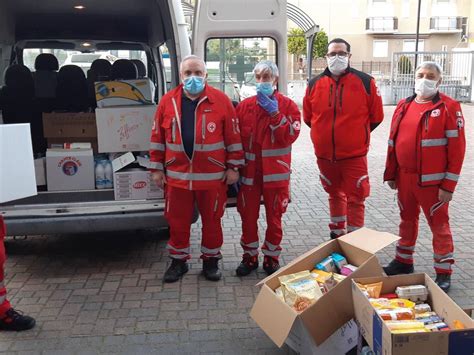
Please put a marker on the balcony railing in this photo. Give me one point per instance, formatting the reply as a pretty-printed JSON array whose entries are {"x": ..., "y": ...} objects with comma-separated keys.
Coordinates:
[
  {"x": 381, "y": 24},
  {"x": 446, "y": 24}
]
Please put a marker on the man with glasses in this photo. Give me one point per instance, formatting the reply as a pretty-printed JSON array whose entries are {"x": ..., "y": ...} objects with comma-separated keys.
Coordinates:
[{"x": 342, "y": 106}]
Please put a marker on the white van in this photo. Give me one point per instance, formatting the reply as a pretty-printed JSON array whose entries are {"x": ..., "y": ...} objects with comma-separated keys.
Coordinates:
[{"x": 230, "y": 37}]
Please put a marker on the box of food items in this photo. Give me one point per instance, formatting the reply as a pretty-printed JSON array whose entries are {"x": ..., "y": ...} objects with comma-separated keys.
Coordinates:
[
  {"x": 410, "y": 314},
  {"x": 316, "y": 287}
]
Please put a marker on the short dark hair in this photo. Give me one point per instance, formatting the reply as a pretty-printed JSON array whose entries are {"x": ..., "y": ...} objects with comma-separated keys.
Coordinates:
[{"x": 340, "y": 40}]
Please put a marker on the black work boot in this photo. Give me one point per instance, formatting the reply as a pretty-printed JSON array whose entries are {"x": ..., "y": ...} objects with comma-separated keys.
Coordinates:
[
  {"x": 396, "y": 268},
  {"x": 443, "y": 281},
  {"x": 248, "y": 264},
  {"x": 176, "y": 270},
  {"x": 270, "y": 265},
  {"x": 333, "y": 235},
  {"x": 210, "y": 269},
  {"x": 16, "y": 321}
]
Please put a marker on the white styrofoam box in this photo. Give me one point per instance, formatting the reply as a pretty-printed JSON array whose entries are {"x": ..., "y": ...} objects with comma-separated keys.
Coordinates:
[
  {"x": 135, "y": 184},
  {"x": 124, "y": 92},
  {"x": 17, "y": 168},
  {"x": 70, "y": 169},
  {"x": 40, "y": 171},
  {"x": 124, "y": 129}
]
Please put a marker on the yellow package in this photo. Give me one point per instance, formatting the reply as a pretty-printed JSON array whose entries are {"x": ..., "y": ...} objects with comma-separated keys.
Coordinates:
[
  {"x": 404, "y": 324},
  {"x": 371, "y": 290},
  {"x": 385, "y": 303},
  {"x": 321, "y": 275},
  {"x": 292, "y": 276},
  {"x": 338, "y": 277},
  {"x": 458, "y": 325},
  {"x": 304, "y": 287},
  {"x": 403, "y": 331}
]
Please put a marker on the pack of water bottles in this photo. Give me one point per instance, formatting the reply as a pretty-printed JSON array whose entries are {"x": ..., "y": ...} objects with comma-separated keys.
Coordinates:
[{"x": 104, "y": 175}]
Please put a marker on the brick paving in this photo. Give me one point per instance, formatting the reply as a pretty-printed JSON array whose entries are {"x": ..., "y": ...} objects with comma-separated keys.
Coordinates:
[{"x": 102, "y": 294}]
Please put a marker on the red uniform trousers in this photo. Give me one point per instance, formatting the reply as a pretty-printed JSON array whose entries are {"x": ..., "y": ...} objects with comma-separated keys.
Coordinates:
[
  {"x": 179, "y": 213},
  {"x": 410, "y": 197},
  {"x": 4, "y": 304},
  {"x": 347, "y": 183},
  {"x": 248, "y": 205}
]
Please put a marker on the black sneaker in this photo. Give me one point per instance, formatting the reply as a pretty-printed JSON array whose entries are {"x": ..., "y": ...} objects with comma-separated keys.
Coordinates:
[
  {"x": 210, "y": 269},
  {"x": 333, "y": 235},
  {"x": 248, "y": 264},
  {"x": 396, "y": 268},
  {"x": 443, "y": 281},
  {"x": 176, "y": 270},
  {"x": 16, "y": 321},
  {"x": 270, "y": 265}
]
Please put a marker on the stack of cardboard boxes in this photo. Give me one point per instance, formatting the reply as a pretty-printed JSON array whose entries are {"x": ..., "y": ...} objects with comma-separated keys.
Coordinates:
[{"x": 122, "y": 123}]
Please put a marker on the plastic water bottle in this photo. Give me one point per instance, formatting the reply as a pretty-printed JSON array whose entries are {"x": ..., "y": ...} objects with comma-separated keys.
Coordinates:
[
  {"x": 109, "y": 175},
  {"x": 99, "y": 175}
]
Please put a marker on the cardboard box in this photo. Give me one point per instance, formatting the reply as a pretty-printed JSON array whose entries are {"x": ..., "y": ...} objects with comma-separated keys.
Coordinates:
[
  {"x": 133, "y": 183},
  {"x": 124, "y": 92},
  {"x": 342, "y": 341},
  {"x": 334, "y": 308},
  {"x": 17, "y": 169},
  {"x": 70, "y": 169},
  {"x": 382, "y": 341},
  {"x": 70, "y": 127},
  {"x": 123, "y": 129},
  {"x": 40, "y": 171}
]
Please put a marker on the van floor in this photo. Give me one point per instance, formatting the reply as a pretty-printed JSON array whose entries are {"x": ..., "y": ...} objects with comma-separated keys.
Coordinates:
[{"x": 104, "y": 294}]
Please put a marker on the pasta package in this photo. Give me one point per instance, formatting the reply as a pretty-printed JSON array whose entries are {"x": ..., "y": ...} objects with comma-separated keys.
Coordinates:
[{"x": 371, "y": 290}]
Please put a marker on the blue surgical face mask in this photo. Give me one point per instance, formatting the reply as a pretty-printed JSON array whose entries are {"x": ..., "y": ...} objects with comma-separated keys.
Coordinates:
[
  {"x": 265, "y": 87},
  {"x": 194, "y": 84}
]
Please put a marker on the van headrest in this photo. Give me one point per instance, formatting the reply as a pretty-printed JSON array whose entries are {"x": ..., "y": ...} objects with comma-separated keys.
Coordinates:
[
  {"x": 46, "y": 61},
  {"x": 18, "y": 78},
  {"x": 140, "y": 67},
  {"x": 123, "y": 69},
  {"x": 101, "y": 68}
]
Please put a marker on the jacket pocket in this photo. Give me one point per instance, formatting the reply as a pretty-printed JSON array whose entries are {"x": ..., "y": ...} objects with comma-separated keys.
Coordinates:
[
  {"x": 170, "y": 161},
  {"x": 281, "y": 162},
  {"x": 216, "y": 162}
]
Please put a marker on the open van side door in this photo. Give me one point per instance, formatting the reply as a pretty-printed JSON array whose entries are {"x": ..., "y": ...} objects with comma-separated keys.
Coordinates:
[{"x": 233, "y": 35}]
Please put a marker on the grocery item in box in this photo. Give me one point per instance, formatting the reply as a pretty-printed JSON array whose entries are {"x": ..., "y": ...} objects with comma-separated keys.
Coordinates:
[
  {"x": 396, "y": 314},
  {"x": 327, "y": 265},
  {"x": 338, "y": 277},
  {"x": 300, "y": 291},
  {"x": 348, "y": 269},
  {"x": 422, "y": 308},
  {"x": 371, "y": 290},
  {"x": 430, "y": 320},
  {"x": 416, "y": 293},
  {"x": 339, "y": 261},
  {"x": 404, "y": 324},
  {"x": 385, "y": 303},
  {"x": 435, "y": 327}
]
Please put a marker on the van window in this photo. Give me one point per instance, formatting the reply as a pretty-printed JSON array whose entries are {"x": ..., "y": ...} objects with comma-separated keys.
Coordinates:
[
  {"x": 230, "y": 63},
  {"x": 83, "y": 60}
]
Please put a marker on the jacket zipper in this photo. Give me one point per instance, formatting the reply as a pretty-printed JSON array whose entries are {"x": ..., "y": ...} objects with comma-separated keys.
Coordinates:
[
  {"x": 426, "y": 122},
  {"x": 334, "y": 124},
  {"x": 173, "y": 130},
  {"x": 340, "y": 97},
  {"x": 330, "y": 96},
  {"x": 203, "y": 131}
]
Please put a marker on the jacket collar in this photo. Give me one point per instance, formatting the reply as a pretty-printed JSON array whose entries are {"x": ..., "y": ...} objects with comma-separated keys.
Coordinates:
[{"x": 434, "y": 100}]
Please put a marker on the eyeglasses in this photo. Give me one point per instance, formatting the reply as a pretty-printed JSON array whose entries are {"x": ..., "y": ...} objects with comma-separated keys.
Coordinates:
[{"x": 339, "y": 54}]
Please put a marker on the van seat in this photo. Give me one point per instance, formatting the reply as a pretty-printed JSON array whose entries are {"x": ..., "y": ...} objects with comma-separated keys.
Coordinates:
[
  {"x": 123, "y": 69},
  {"x": 99, "y": 71},
  {"x": 140, "y": 68},
  {"x": 46, "y": 80},
  {"x": 71, "y": 91}
]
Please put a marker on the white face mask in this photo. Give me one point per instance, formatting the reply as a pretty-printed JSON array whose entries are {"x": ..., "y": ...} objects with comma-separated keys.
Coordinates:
[
  {"x": 338, "y": 64},
  {"x": 426, "y": 88}
]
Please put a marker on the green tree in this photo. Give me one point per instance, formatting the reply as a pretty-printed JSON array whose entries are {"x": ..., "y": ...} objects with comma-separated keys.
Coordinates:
[{"x": 297, "y": 43}]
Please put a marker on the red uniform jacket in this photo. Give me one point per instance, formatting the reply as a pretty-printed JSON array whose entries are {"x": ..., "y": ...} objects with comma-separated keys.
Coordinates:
[
  {"x": 340, "y": 113},
  {"x": 441, "y": 143},
  {"x": 217, "y": 142},
  {"x": 274, "y": 137}
]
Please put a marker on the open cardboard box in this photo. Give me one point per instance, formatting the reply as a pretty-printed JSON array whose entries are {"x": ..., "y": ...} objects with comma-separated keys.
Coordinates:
[
  {"x": 333, "y": 309},
  {"x": 382, "y": 341}
]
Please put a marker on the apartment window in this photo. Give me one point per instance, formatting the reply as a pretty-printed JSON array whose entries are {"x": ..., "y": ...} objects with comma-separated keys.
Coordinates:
[
  {"x": 380, "y": 48},
  {"x": 409, "y": 45}
]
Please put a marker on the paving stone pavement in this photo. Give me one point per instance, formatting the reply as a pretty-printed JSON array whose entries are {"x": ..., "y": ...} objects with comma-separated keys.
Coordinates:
[{"x": 101, "y": 294}]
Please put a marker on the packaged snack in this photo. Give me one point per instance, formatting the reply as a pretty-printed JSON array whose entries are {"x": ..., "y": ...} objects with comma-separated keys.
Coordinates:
[
  {"x": 440, "y": 326},
  {"x": 371, "y": 290},
  {"x": 396, "y": 314},
  {"x": 327, "y": 265},
  {"x": 338, "y": 277},
  {"x": 389, "y": 295},
  {"x": 339, "y": 260},
  {"x": 348, "y": 269},
  {"x": 430, "y": 320},
  {"x": 422, "y": 308},
  {"x": 425, "y": 315},
  {"x": 293, "y": 276},
  {"x": 384, "y": 303},
  {"x": 402, "y": 303},
  {"x": 404, "y": 331},
  {"x": 415, "y": 293},
  {"x": 301, "y": 304},
  {"x": 404, "y": 324},
  {"x": 321, "y": 275},
  {"x": 302, "y": 288}
]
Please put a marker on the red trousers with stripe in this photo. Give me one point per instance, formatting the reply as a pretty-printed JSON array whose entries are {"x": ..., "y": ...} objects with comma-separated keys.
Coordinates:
[
  {"x": 410, "y": 198},
  {"x": 180, "y": 204},
  {"x": 248, "y": 205},
  {"x": 347, "y": 183},
  {"x": 4, "y": 304}
]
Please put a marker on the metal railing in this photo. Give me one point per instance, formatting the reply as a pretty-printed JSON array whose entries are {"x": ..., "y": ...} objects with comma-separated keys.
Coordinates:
[
  {"x": 442, "y": 23},
  {"x": 381, "y": 24}
]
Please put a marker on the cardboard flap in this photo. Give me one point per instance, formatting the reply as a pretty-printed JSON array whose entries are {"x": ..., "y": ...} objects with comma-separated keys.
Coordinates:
[
  {"x": 369, "y": 239},
  {"x": 273, "y": 316}
]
